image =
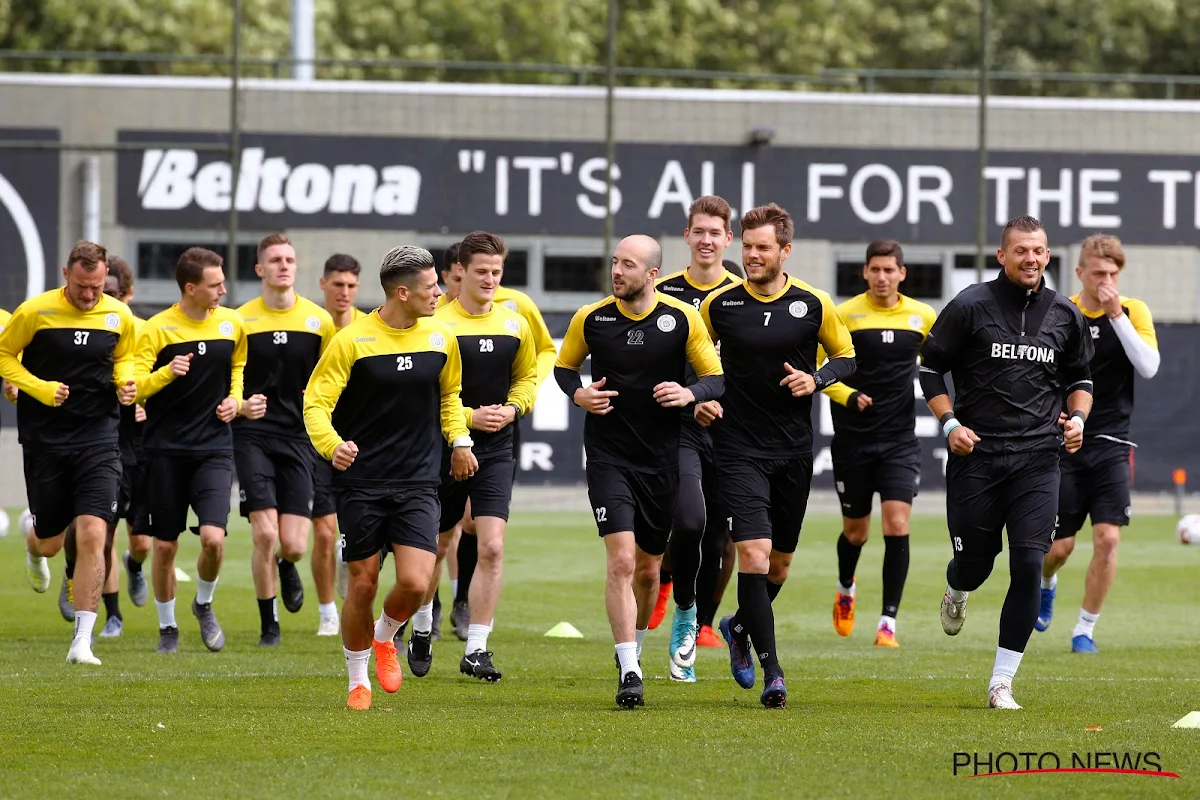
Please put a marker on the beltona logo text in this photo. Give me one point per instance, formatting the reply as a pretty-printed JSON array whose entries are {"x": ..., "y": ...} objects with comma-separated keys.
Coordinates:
[
  {"x": 172, "y": 180},
  {"x": 1023, "y": 352}
]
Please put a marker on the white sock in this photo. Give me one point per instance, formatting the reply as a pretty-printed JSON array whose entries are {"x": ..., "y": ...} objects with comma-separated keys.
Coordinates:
[
  {"x": 85, "y": 621},
  {"x": 627, "y": 655},
  {"x": 1051, "y": 582},
  {"x": 477, "y": 636},
  {"x": 956, "y": 595},
  {"x": 1086, "y": 623},
  {"x": 454, "y": 586},
  {"x": 385, "y": 628},
  {"x": 641, "y": 637},
  {"x": 1005, "y": 670},
  {"x": 356, "y": 665},
  {"x": 850, "y": 590},
  {"x": 204, "y": 590},
  {"x": 327, "y": 610},
  {"x": 889, "y": 621},
  {"x": 422, "y": 621},
  {"x": 166, "y": 614}
]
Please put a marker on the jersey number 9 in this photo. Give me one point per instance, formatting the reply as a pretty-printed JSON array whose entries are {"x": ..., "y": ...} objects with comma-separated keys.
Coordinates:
[{"x": 202, "y": 347}]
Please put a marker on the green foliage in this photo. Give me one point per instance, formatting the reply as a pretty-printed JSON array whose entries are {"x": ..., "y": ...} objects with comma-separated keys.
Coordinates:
[{"x": 756, "y": 37}]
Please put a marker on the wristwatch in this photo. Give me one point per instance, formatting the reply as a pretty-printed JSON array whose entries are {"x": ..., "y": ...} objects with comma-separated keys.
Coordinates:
[{"x": 463, "y": 441}]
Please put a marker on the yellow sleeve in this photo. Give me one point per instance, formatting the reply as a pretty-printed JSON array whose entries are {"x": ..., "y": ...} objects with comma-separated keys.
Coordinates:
[
  {"x": 325, "y": 386},
  {"x": 328, "y": 331},
  {"x": 706, "y": 317},
  {"x": 145, "y": 353},
  {"x": 700, "y": 351},
  {"x": 838, "y": 392},
  {"x": 574, "y": 349},
  {"x": 1143, "y": 321},
  {"x": 13, "y": 340},
  {"x": 542, "y": 343},
  {"x": 525, "y": 373},
  {"x": 123, "y": 354},
  {"x": 834, "y": 336},
  {"x": 237, "y": 377},
  {"x": 453, "y": 412}
]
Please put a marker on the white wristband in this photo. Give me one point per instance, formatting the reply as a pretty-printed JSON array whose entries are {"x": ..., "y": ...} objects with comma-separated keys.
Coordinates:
[
  {"x": 1078, "y": 417},
  {"x": 463, "y": 441},
  {"x": 950, "y": 425}
]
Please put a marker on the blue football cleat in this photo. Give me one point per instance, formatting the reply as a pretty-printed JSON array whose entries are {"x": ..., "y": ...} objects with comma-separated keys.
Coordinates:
[
  {"x": 1083, "y": 644},
  {"x": 774, "y": 693},
  {"x": 741, "y": 663},
  {"x": 1046, "y": 611}
]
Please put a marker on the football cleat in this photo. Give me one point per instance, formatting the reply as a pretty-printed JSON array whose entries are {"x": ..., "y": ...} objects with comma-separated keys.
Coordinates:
[
  {"x": 329, "y": 626},
  {"x": 168, "y": 640},
  {"x": 774, "y": 693},
  {"x": 683, "y": 637},
  {"x": 210, "y": 630},
  {"x": 843, "y": 614},
  {"x": 741, "y": 664},
  {"x": 660, "y": 605},
  {"x": 885, "y": 636},
  {"x": 460, "y": 619},
  {"x": 290, "y": 585},
  {"x": 37, "y": 570},
  {"x": 1045, "y": 609},
  {"x": 479, "y": 665},
  {"x": 681, "y": 674},
  {"x": 1083, "y": 644},
  {"x": 270, "y": 637},
  {"x": 360, "y": 699},
  {"x": 81, "y": 653},
  {"x": 387, "y": 667},
  {"x": 953, "y": 614},
  {"x": 708, "y": 637},
  {"x": 629, "y": 691},
  {"x": 420, "y": 654},
  {"x": 139, "y": 590},
  {"x": 1000, "y": 696},
  {"x": 66, "y": 599},
  {"x": 113, "y": 627}
]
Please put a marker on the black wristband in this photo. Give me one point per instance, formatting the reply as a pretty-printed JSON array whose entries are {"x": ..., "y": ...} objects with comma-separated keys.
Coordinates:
[
  {"x": 944, "y": 418},
  {"x": 1079, "y": 415}
]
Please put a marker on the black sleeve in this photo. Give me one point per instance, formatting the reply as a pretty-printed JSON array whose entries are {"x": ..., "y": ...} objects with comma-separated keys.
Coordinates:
[
  {"x": 939, "y": 352},
  {"x": 568, "y": 380},
  {"x": 1077, "y": 372},
  {"x": 835, "y": 370},
  {"x": 708, "y": 388}
]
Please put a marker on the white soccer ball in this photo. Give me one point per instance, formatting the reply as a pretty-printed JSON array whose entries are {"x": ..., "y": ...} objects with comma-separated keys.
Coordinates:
[
  {"x": 26, "y": 522},
  {"x": 1188, "y": 529},
  {"x": 3, "y": 523}
]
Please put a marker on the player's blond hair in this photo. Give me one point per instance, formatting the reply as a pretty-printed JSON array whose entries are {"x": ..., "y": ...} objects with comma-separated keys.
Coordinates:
[{"x": 1102, "y": 245}]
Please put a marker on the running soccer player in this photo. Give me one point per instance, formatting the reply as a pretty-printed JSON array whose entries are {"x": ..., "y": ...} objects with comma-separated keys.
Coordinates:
[
  {"x": 769, "y": 328},
  {"x": 699, "y": 531},
  {"x": 189, "y": 369},
  {"x": 875, "y": 447},
  {"x": 1095, "y": 481},
  {"x": 274, "y": 458},
  {"x": 377, "y": 405},
  {"x": 339, "y": 284},
  {"x": 640, "y": 342},
  {"x": 499, "y": 380},
  {"x": 1015, "y": 348},
  {"x": 65, "y": 350}
]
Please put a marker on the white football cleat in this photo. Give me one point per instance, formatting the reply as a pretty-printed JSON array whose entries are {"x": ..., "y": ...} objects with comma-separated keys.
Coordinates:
[
  {"x": 1000, "y": 696},
  {"x": 329, "y": 627},
  {"x": 37, "y": 570},
  {"x": 953, "y": 613},
  {"x": 81, "y": 653}
]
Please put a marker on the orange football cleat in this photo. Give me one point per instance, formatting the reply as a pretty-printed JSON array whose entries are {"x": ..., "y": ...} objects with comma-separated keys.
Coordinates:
[
  {"x": 387, "y": 667},
  {"x": 843, "y": 614},
  {"x": 708, "y": 638},
  {"x": 885, "y": 637},
  {"x": 660, "y": 607},
  {"x": 360, "y": 699}
]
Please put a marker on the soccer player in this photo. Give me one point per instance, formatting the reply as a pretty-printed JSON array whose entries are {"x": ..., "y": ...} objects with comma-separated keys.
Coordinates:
[
  {"x": 769, "y": 328},
  {"x": 339, "y": 284},
  {"x": 499, "y": 378},
  {"x": 190, "y": 364},
  {"x": 875, "y": 447},
  {"x": 1015, "y": 348},
  {"x": 640, "y": 342},
  {"x": 275, "y": 460},
  {"x": 1095, "y": 481},
  {"x": 65, "y": 351},
  {"x": 699, "y": 532},
  {"x": 377, "y": 405}
]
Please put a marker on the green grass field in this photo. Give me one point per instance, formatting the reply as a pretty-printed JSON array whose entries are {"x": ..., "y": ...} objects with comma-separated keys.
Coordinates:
[{"x": 860, "y": 720}]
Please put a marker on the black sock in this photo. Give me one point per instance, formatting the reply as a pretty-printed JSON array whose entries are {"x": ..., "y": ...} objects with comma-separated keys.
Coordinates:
[
  {"x": 266, "y": 615},
  {"x": 773, "y": 590},
  {"x": 895, "y": 571},
  {"x": 112, "y": 604},
  {"x": 847, "y": 560},
  {"x": 757, "y": 618},
  {"x": 133, "y": 566},
  {"x": 468, "y": 555},
  {"x": 685, "y": 559},
  {"x": 706, "y": 590},
  {"x": 664, "y": 576},
  {"x": 1020, "y": 608},
  {"x": 70, "y": 569}
]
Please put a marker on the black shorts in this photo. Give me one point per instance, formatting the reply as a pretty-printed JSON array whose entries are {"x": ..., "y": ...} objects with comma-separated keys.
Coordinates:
[
  {"x": 131, "y": 501},
  {"x": 324, "y": 503},
  {"x": 176, "y": 481},
  {"x": 1095, "y": 483},
  {"x": 64, "y": 484},
  {"x": 766, "y": 497},
  {"x": 274, "y": 472},
  {"x": 375, "y": 519},
  {"x": 489, "y": 489},
  {"x": 625, "y": 499},
  {"x": 987, "y": 494},
  {"x": 862, "y": 469}
]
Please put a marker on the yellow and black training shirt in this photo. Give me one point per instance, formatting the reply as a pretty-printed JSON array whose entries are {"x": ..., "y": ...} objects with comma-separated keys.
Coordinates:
[
  {"x": 282, "y": 348},
  {"x": 132, "y": 430},
  {"x": 1112, "y": 371},
  {"x": 633, "y": 354},
  {"x": 499, "y": 367},
  {"x": 886, "y": 344},
  {"x": 395, "y": 394},
  {"x": 47, "y": 343},
  {"x": 181, "y": 413},
  {"x": 518, "y": 301},
  {"x": 758, "y": 335}
]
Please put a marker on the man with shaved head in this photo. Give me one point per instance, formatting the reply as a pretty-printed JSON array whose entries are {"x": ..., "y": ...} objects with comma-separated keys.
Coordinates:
[{"x": 641, "y": 343}]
